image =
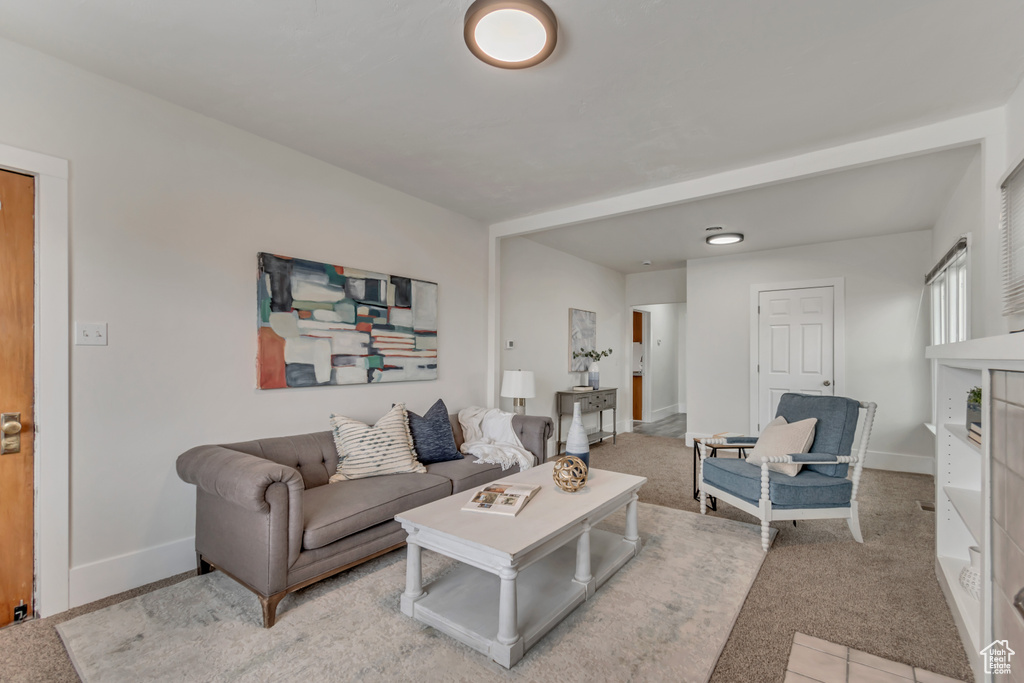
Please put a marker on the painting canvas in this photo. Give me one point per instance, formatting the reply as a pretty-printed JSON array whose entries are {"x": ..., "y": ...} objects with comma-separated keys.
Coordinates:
[
  {"x": 321, "y": 325},
  {"x": 582, "y": 335}
]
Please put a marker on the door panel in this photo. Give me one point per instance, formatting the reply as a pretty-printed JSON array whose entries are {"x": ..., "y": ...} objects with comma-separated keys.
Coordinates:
[
  {"x": 795, "y": 346},
  {"x": 17, "y": 317}
]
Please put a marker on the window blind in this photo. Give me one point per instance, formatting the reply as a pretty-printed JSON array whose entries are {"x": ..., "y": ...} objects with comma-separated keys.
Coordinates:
[
  {"x": 955, "y": 251},
  {"x": 1013, "y": 242},
  {"x": 948, "y": 283}
]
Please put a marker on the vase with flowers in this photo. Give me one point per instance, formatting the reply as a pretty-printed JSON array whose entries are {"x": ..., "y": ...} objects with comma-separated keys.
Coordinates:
[{"x": 593, "y": 371}]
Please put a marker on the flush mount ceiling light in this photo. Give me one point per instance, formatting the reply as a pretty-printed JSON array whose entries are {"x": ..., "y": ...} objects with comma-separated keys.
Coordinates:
[
  {"x": 724, "y": 238},
  {"x": 511, "y": 34}
]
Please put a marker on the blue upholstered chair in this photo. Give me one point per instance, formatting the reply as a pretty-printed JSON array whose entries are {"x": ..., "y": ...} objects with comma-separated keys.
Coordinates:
[{"x": 821, "y": 490}]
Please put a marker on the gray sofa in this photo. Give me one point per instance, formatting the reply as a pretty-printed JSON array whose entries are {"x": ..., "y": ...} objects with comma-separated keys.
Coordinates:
[{"x": 266, "y": 517}]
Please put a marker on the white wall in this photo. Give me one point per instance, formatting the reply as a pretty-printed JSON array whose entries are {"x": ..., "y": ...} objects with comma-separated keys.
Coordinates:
[
  {"x": 656, "y": 287},
  {"x": 168, "y": 212},
  {"x": 662, "y": 368},
  {"x": 538, "y": 287},
  {"x": 681, "y": 376},
  {"x": 887, "y": 330}
]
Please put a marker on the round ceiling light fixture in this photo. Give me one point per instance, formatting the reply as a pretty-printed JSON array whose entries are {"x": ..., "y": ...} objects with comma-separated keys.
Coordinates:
[
  {"x": 724, "y": 238},
  {"x": 511, "y": 34}
]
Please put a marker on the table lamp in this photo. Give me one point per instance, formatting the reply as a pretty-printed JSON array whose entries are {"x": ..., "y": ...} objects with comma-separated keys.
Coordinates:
[{"x": 518, "y": 386}]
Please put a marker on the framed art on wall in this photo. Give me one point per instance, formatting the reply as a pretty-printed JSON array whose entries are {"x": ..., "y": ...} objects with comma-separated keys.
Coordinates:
[
  {"x": 321, "y": 324},
  {"x": 582, "y": 337}
]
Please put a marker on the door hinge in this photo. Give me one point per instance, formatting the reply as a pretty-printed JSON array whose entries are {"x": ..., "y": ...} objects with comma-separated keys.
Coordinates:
[{"x": 759, "y": 310}]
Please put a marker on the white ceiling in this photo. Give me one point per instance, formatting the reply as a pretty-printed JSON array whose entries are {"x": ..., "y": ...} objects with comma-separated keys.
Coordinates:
[
  {"x": 883, "y": 199},
  {"x": 637, "y": 94}
]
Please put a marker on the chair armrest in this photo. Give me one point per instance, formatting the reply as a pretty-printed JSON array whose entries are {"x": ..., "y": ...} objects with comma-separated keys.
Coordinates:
[
  {"x": 239, "y": 478},
  {"x": 811, "y": 459}
]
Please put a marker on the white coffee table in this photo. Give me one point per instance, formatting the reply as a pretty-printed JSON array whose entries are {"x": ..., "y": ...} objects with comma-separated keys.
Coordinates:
[{"x": 521, "y": 575}]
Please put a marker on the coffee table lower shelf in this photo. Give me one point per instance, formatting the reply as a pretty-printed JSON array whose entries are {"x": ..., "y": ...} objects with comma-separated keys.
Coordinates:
[{"x": 464, "y": 602}]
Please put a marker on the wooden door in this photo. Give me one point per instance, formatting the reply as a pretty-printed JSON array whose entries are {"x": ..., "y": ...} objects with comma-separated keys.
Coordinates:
[
  {"x": 17, "y": 317},
  {"x": 795, "y": 346},
  {"x": 638, "y": 380}
]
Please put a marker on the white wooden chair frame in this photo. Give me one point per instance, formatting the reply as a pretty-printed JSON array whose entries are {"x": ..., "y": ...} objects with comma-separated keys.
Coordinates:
[{"x": 764, "y": 511}]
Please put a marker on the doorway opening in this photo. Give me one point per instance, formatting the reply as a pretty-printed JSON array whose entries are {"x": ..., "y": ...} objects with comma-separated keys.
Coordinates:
[{"x": 659, "y": 369}]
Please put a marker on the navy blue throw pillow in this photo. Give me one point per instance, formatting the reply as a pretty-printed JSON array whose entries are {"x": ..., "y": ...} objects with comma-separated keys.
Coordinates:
[{"x": 432, "y": 435}]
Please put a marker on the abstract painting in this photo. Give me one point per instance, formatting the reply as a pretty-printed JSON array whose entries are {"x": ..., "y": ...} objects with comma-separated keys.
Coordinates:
[
  {"x": 321, "y": 325},
  {"x": 582, "y": 335}
]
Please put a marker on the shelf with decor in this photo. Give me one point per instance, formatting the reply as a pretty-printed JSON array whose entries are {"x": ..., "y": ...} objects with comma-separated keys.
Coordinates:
[{"x": 963, "y": 492}]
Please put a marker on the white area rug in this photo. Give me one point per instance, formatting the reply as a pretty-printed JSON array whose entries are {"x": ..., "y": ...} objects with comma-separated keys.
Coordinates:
[{"x": 664, "y": 617}]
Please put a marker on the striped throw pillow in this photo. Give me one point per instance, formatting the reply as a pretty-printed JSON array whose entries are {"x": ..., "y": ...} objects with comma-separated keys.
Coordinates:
[{"x": 384, "y": 448}]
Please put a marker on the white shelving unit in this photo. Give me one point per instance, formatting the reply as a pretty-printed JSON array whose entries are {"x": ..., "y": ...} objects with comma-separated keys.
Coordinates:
[{"x": 963, "y": 500}]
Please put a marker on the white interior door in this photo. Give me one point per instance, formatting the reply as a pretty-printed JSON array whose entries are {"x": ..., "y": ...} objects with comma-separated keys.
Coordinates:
[{"x": 796, "y": 346}]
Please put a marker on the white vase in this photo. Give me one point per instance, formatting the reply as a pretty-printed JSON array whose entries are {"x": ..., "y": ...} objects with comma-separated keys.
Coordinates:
[
  {"x": 594, "y": 378},
  {"x": 970, "y": 576},
  {"x": 576, "y": 441}
]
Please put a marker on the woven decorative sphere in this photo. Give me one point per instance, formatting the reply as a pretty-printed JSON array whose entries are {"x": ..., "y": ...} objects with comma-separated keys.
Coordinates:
[{"x": 570, "y": 473}]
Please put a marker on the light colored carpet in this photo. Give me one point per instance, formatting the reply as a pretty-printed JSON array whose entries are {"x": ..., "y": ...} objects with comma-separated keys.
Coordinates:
[
  {"x": 880, "y": 597},
  {"x": 664, "y": 617}
]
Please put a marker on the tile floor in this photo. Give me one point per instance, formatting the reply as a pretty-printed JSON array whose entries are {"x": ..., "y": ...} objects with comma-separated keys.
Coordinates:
[
  {"x": 673, "y": 425},
  {"x": 813, "y": 660}
]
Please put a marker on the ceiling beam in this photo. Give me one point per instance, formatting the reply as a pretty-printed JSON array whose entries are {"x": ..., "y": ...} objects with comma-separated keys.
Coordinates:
[{"x": 948, "y": 134}]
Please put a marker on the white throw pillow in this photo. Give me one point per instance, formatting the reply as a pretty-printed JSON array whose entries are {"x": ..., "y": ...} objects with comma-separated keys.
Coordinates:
[
  {"x": 365, "y": 451},
  {"x": 782, "y": 438}
]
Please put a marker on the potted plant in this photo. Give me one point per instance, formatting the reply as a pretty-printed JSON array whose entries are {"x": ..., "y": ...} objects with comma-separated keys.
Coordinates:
[
  {"x": 594, "y": 371},
  {"x": 973, "y": 406}
]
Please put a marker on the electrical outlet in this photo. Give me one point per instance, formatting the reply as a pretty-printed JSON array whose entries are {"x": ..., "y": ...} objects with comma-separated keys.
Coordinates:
[
  {"x": 20, "y": 612},
  {"x": 90, "y": 334}
]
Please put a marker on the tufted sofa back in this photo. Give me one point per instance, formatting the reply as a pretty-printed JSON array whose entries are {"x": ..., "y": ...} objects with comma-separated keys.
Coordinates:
[{"x": 313, "y": 456}]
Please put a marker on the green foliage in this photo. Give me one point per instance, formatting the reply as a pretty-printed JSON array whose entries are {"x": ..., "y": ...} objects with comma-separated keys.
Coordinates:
[
  {"x": 974, "y": 395},
  {"x": 592, "y": 355}
]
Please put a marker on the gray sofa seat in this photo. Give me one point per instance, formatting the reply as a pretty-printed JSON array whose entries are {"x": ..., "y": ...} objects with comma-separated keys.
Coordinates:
[
  {"x": 466, "y": 474},
  {"x": 343, "y": 508}
]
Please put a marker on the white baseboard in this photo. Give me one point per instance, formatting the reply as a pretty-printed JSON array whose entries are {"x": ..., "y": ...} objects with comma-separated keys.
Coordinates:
[
  {"x": 900, "y": 462},
  {"x": 97, "y": 580},
  {"x": 682, "y": 408}
]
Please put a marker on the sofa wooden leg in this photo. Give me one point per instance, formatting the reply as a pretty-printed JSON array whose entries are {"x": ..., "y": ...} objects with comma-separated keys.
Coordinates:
[
  {"x": 270, "y": 608},
  {"x": 202, "y": 566}
]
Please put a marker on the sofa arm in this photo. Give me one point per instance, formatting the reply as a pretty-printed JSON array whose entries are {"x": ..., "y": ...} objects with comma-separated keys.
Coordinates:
[
  {"x": 237, "y": 477},
  {"x": 534, "y": 431},
  {"x": 246, "y": 480}
]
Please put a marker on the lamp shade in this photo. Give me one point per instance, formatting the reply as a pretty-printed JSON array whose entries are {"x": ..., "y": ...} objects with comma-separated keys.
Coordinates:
[{"x": 518, "y": 384}]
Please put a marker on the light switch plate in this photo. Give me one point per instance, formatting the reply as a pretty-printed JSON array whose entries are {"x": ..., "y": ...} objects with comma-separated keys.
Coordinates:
[
  {"x": 510, "y": 344},
  {"x": 90, "y": 334}
]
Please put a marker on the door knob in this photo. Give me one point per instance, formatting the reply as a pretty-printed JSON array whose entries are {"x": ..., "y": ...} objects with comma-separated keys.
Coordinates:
[
  {"x": 10, "y": 426},
  {"x": 827, "y": 383}
]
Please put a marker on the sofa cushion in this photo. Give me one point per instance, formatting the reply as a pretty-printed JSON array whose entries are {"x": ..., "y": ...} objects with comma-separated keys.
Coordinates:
[
  {"x": 365, "y": 451},
  {"x": 432, "y": 435},
  {"x": 837, "y": 422},
  {"x": 809, "y": 489},
  {"x": 333, "y": 512},
  {"x": 781, "y": 438},
  {"x": 466, "y": 474}
]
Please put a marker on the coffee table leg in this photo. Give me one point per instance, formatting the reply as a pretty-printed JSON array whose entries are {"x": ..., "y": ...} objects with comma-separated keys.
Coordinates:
[
  {"x": 632, "y": 528},
  {"x": 413, "y": 577},
  {"x": 508, "y": 618},
  {"x": 583, "y": 575}
]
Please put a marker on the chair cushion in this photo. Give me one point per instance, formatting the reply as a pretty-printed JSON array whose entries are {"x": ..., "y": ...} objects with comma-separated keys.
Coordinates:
[
  {"x": 432, "y": 435},
  {"x": 343, "y": 508},
  {"x": 837, "y": 422},
  {"x": 808, "y": 489},
  {"x": 782, "y": 438},
  {"x": 466, "y": 474},
  {"x": 365, "y": 451}
]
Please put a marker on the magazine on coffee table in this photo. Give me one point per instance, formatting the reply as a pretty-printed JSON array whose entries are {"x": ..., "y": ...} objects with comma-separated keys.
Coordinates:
[{"x": 501, "y": 498}]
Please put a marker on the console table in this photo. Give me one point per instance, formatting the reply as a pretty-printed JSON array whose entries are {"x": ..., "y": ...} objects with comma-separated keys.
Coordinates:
[{"x": 596, "y": 401}]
